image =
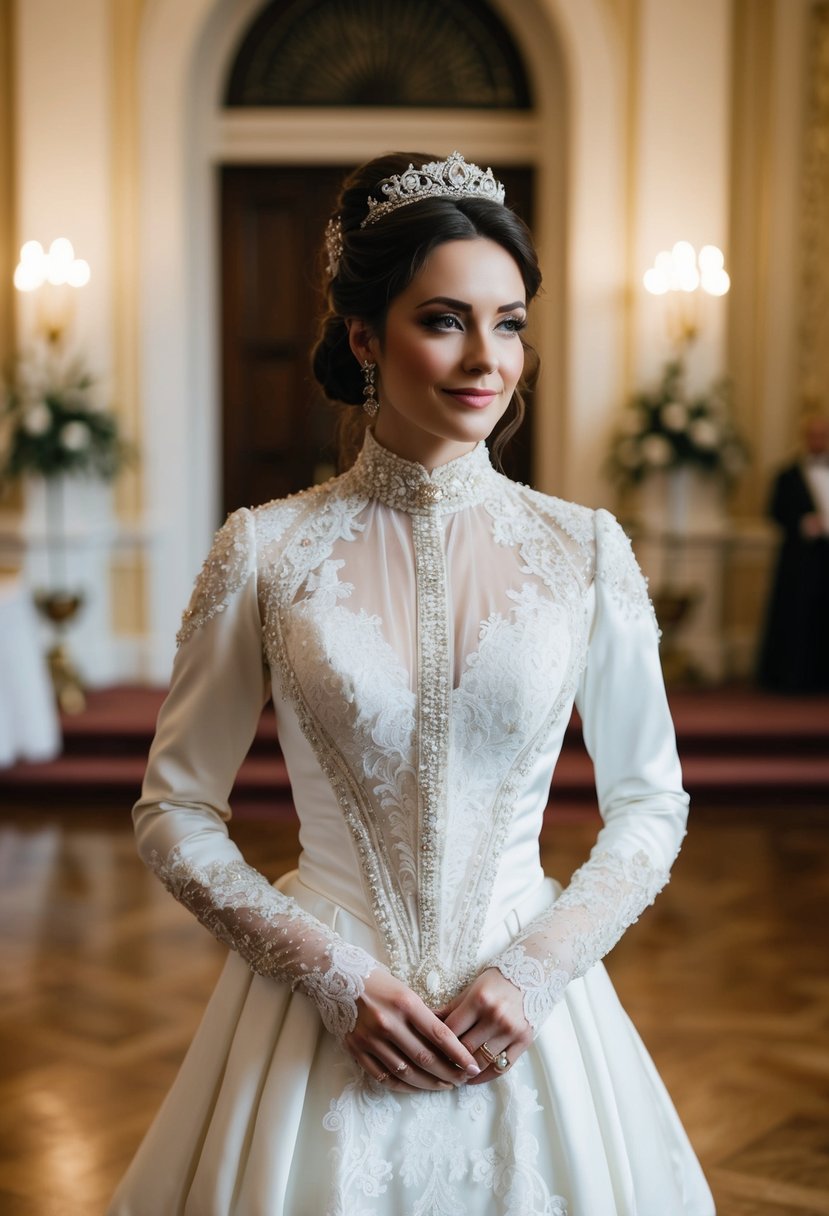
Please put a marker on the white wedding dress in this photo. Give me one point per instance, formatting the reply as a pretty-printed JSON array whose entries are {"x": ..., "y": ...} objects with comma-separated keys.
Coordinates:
[{"x": 424, "y": 637}]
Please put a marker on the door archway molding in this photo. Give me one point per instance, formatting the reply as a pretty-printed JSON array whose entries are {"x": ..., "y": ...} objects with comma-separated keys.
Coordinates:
[{"x": 184, "y": 51}]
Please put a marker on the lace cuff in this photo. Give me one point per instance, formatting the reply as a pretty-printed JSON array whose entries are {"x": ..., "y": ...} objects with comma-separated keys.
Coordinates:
[
  {"x": 272, "y": 933},
  {"x": 605, "y": 896}
]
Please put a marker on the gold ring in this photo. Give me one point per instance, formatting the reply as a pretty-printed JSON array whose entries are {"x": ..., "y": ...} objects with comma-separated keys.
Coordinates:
[
  {"x": 488, "y": 1055},
  {"x": 384, "y": 1076},
  {"x": 401, "y": 1067}
]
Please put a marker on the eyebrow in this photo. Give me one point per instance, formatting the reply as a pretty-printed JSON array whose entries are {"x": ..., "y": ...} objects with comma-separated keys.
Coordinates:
[{"x": 461, "y": 306}]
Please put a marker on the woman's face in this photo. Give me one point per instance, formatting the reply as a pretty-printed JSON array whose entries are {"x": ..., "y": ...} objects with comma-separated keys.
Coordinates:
[{"x": 451, "y": 353}]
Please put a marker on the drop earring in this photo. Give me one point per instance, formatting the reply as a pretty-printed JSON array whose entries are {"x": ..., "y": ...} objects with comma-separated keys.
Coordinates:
[{"x": 370, "y": 403}]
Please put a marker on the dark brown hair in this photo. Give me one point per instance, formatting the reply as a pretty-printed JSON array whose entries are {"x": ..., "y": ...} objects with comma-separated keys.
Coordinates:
[{"x": 379, "y": 261}]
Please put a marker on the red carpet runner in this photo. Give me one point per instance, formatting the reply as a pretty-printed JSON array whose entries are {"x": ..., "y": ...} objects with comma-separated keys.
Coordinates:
[{"x": 737, "y": 746}]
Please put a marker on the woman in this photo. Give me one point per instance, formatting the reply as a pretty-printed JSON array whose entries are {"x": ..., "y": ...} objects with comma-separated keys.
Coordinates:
[{"x": 417, "y": 1021}]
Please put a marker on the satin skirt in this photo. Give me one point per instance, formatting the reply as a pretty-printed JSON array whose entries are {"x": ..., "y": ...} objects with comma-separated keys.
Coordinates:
[{"x": 269, "y": 1116}]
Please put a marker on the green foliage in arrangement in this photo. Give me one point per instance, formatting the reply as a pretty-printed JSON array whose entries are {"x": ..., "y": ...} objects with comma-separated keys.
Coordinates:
[{"x": 52, "y": 422}]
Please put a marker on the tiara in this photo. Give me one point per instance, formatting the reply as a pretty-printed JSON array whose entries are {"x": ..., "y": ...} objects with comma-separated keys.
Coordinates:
[
  {"x": 450, "y": 178},
  {"x": 334, "y": 244}
]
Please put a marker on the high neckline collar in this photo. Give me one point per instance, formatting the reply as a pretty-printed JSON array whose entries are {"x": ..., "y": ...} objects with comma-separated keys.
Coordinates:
[{"x": 408, "y": 486}]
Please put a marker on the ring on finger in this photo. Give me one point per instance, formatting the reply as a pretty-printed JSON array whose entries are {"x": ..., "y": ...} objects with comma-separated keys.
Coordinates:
[
  {"x": 383, "y": 1076},
  {"x": 488, "y": 1055},
  {"x": 502, "y": 1061},
  {"x": 401, "y": 1067}
]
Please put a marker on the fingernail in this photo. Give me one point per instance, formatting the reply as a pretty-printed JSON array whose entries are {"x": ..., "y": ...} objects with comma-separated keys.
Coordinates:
[{"x": 473, "y": 1070}]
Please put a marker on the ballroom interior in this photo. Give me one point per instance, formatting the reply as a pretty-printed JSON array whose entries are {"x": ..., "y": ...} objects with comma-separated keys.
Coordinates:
[{"x": 166, "y": 172}]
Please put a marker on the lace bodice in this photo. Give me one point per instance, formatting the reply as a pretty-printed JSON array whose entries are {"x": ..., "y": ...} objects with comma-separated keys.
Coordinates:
[{"x": 424, "y": 638}]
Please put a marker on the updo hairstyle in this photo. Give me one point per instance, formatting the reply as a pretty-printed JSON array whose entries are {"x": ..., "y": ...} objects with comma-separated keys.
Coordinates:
[{"x": 379, "y": 261}]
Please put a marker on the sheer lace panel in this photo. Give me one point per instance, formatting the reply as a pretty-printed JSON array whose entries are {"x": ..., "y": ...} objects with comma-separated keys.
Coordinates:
[
  {"x": 272, "y": 933},
  {"x": 604, "y": 897}
]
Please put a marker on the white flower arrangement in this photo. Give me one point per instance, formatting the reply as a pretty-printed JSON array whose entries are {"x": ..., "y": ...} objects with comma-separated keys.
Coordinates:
[
  {"x": 664, "y": 429},
  {"x": 53, "y": 422}
]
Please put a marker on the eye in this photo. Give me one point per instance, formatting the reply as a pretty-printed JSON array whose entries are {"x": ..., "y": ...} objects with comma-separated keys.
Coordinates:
[
  {"x": 512, "y": 325},
  {"x": 441, "y": 321}
]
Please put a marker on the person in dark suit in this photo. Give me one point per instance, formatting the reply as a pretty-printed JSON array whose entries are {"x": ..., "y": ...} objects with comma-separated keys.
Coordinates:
[{"x": 794, "y": 656}]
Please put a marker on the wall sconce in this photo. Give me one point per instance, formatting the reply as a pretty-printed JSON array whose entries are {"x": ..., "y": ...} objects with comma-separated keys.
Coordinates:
[
  {"x": 53, "y": 276},
  {"x": 681, "y": 275}
]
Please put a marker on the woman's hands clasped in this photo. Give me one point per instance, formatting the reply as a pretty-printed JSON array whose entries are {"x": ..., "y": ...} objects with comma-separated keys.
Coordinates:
[
  {"x": 488, "y": 1018},
  {"x": 400, "y": 1042}
]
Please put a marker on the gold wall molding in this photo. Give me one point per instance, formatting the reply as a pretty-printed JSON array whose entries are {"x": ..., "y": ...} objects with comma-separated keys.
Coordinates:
[
  {"x": 813, "y": 329},
  {"x": 751, "y": 169}
]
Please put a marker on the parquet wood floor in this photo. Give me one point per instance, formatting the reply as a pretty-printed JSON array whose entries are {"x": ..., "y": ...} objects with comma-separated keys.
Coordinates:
[{"x": 104, "y": 978}]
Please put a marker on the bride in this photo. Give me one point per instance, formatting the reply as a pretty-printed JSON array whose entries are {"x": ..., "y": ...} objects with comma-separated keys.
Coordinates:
[{"x": 417, "y": 1020}]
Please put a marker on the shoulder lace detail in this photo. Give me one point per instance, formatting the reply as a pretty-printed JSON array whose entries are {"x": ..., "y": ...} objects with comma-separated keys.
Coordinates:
[
  {"x": 604, "y": 897},
  {"x": 234, "y": 555},
  {"x": 272, "y": 933},
  {"x": 225, "y": 569},
  {"x": 617, "y": 568},
  {"x": 550, "y": 531},
  {"x": 575, "y": 520}
]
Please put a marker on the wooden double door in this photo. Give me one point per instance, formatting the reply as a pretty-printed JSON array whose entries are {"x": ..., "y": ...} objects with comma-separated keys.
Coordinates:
[{"x": 278, "y": 428}]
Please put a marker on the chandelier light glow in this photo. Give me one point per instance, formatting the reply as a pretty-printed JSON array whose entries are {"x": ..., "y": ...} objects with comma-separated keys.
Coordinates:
[
  {"x": 683, "y": 269},
  {"x": 50, "y": 279},
  {"x": 57, "y": 267},
  {"x": 683, "y": 278}
]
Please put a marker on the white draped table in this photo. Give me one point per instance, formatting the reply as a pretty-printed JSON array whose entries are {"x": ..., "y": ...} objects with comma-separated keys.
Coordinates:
[{"x": 29, "y": 726}]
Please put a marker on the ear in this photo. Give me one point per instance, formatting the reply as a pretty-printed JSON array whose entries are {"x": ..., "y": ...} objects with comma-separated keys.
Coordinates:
[{"x": 361, "y": 339}]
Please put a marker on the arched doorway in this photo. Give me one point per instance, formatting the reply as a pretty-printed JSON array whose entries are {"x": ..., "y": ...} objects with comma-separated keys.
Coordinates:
[
  {"x": 572, "y": 139},
  {"x": 278, "y": 430}
]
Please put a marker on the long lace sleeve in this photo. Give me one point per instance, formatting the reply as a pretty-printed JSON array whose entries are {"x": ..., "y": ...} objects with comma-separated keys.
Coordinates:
[
  {"x": 630, "y": 737},
  {"x": 206, "y": 725}
]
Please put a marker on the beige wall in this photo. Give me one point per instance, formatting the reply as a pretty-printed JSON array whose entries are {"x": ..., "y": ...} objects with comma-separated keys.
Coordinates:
[
  {"x": 769, "y": 70},
  {"x": 714, "y": 103},
  {"x": 129, "y": 599},
  {"x": 7, "y": 242}
]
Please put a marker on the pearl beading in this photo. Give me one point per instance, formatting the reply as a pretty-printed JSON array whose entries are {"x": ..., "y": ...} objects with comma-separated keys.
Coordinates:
[
  {"x": 405, "y": 485},
  {"x": 431, "y": 980}
]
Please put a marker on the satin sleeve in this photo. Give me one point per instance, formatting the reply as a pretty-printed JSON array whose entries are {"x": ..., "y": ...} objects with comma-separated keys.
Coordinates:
[
  {"x": 630, "y": 736},
  {"x": 218, "y": 688}
]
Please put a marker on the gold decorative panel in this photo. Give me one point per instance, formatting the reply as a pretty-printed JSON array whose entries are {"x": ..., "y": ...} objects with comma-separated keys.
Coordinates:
[{"x": 813, "y": 346}]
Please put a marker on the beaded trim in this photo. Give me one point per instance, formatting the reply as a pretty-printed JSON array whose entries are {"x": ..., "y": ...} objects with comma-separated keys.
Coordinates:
[
  {"x": 432, "y": 980},
  {"x": 407, "y": 486}
]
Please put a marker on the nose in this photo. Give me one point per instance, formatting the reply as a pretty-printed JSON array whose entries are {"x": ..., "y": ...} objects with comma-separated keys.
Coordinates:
[{"x": 479, "y": 354}]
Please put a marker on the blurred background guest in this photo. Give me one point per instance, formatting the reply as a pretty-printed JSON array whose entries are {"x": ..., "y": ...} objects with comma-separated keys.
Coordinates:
[{"x": 795, "y": 650}]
